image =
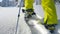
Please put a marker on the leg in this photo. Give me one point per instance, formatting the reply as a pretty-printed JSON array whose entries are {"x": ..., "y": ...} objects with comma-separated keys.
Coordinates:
[
  {"x": 28, "y": 8},
  {"x": 50, "y": 16}
]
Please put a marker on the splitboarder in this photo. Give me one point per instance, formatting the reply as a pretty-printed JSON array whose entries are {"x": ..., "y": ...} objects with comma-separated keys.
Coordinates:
[{"x": 50, "y": 16}]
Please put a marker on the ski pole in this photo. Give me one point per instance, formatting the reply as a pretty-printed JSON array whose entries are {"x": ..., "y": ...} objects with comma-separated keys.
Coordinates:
[{"x": 18, "y": 17}]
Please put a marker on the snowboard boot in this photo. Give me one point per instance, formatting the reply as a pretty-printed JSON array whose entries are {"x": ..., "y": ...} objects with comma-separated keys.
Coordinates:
[
  {"x": 51, "y": 28},
  {"x": 28, "y": 14}
]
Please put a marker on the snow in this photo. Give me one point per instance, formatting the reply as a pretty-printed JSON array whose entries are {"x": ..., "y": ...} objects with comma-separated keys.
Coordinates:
[{"x": 8, "y": 19}]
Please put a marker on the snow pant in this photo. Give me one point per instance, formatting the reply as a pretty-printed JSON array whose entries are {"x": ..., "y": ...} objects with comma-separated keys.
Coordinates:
[
  {"x": 29, "y": 4},
  {"x": 50, "y": 16}
]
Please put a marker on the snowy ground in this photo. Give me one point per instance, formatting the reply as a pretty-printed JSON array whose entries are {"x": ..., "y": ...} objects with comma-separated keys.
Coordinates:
[{"x": 8, "y": 18}]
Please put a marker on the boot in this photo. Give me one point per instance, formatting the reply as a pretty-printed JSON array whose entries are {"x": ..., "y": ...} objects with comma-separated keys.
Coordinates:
[
  {"x": 51, "y": 28},
  {"x": 28, "y": 13}
]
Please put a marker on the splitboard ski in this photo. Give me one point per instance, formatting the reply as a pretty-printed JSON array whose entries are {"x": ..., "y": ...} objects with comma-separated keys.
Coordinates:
[{"x": 35, "y": 23}]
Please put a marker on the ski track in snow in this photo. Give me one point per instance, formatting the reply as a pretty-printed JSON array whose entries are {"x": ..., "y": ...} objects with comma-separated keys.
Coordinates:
[{"x": 8, "y": 18}]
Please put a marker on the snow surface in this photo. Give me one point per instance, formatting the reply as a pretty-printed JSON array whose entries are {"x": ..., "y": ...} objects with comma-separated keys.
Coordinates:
[{"x": 8, "y": 19}]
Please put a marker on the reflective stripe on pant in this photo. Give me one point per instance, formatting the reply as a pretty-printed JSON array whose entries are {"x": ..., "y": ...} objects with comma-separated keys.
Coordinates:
[{"x": 50, "y": 16}]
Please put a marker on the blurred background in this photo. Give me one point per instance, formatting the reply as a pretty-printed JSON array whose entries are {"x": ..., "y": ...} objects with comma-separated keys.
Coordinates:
[
  {"x": 14, "y": 3},
  {"x": 8, "y": 3}
]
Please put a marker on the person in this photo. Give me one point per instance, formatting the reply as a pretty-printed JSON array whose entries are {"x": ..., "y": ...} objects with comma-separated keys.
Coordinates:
[{"x": 50, "y": 16}]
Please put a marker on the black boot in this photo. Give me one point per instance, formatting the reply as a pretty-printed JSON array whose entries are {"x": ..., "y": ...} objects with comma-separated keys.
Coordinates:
[
  {"x": 51, "y": 28},
  {"x": 28, "y": 13}
]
